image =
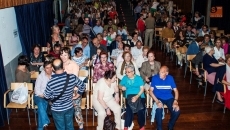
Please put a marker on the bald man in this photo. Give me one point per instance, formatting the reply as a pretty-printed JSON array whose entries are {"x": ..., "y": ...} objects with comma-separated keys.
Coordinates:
[
  {"x": 161, "y": 91},
  {"x": 60, "y": 91},
  {"x": 94, "y": 45}
]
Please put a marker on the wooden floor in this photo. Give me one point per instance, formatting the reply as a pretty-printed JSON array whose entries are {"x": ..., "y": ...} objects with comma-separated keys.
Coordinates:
[{"x": 197, "y": 111}]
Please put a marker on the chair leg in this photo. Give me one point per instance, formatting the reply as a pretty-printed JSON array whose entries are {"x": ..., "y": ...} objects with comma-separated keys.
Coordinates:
[
  {"x": 86, "y": 111},
  {"x": 185, "y": 70},
  {"x": 224, "y": 109},
  {"x": 214, "y": 98},
  {"x": 205, "y": 89},
  {"x": 93, "y": 117},
  {"x": 7, "y": 116},
  {"x": 190, "y": 78},
  {"x": 35, "y": 114},
  {"x": 28, "y": 115}
]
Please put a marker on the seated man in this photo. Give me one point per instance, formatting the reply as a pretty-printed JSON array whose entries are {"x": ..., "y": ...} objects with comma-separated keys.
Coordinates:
[
  {"x": 194, "y": 47},
  {"x": 56, "y": 51},
  {"x": 161, "y": 91},
  {"x": 167, "y": 33},
  {"x": 116, "y": 52},
  {"x": 136, "y": 51},
  {"x": 85, "y": 46},
  {"x": 114, "y": 44}
]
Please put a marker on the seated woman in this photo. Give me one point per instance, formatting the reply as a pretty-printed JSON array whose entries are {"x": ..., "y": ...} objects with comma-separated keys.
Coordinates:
[
  {"x": 74, "y": 39},
  {"x": 211, "y": 65},
  {"x": 150, "y": 68},
  {"x": 127, "y": 56},
  {"x": 219, "y": 51},
  {"x": 80, "y": 59},
  {"x": 134, "y": 39},
  {"x": 22, "y": 73},
  {"x": 226, "y": 80},
  {"x": 104, "y": 101},
  {"x": 36, "y": 58},
  {"x": 225, "y": 45},
  {"x": 40, "y": 86},
  {"x": 132, "y": 84},
  {"x": 142, "y": 58},
  {"x": 101, "y": 67},
  {"x": 180, "y": 43}
]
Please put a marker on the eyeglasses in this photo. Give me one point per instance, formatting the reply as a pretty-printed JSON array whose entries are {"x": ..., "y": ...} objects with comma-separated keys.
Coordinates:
[{"x": 128, "y": 72}]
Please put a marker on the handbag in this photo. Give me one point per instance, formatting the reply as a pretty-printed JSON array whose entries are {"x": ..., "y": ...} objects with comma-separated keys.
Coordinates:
[
  {"x": 50, "y": 102},
  {"x": 109, "y": 124},
  {"x": 135, "y": 106},
  {"x": 123, "y": 123}
]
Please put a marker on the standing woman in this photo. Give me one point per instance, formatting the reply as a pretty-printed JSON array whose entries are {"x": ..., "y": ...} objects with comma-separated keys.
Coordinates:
[
  {"x": 40, "y": 86},
  {"x": 36, "y": 58},
  {"x": 133, "y": 84},
  {"x": 71, "y": 67},
  {"x": 101, "y": 67},
  {"x": 104, "y": 101},
  {"x": 22, "y": 74},
  {"x": 55, "y": 37}
]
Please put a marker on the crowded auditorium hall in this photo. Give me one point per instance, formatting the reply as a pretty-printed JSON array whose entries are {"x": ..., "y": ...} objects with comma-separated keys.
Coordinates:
[{"x": 114, "y": 64}]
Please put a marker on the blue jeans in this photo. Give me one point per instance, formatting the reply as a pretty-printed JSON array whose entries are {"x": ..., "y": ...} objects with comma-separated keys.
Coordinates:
[
  {"x": 42, "y": 115},
  {"x": 63, "y": 119},
  {"x": 140, "y": 114},
  {"x": 174, "y": 114}
]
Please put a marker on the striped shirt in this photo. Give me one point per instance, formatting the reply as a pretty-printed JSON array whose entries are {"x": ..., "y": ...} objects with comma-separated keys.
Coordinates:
[
  {"x": 56, "y": 85},
  {"x": 163, "y": 87}
]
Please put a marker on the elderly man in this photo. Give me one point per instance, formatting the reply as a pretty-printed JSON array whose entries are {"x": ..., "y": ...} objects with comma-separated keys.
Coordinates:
[
  {"x": 94, "y": 45},
  {"x": 161, "y": 91},
  {"x": 137, "y": 50},
  {"x": 167, "y": 33},
  {"x": 60, "y": 91}
]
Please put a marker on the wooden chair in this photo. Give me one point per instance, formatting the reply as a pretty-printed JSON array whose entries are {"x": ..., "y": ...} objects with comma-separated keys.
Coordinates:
[
  {"x": 69, "y": 34},
  {"x": 34, "y": 76},
  {"x": 205, "y": 81},
  {"x": 220, "y": 31},
  {"x": 44, "y": 49},
  {"x": 158, "y": 33},
  {"x": 189, "y": 65},
  {"x": 218, "y": 35},
  {"x": 12, "y": 105},
  {"x": 214, "y": 28},
  {"x": 85, "y": 101},
  {"x": 170, "y": 40}
]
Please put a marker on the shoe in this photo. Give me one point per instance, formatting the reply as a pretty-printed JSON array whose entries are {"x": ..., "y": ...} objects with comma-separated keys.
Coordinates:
[
  {"x": 170, "y": 128},
  {"x": 220, "y": 102},
  {"x": 142, "y": 128}
]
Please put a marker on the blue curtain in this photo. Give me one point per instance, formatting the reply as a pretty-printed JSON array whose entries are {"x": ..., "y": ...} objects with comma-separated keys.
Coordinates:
[
  {"x": 34, "y": 24},
  {"x": 3, "y": 89}
]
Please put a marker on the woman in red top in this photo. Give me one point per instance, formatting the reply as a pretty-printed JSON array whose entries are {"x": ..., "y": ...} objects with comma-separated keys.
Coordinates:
[
  {"x": 141, "y": 25},
  {"x": 101, "y": 40},
  {"x": 112, "y": 13}
]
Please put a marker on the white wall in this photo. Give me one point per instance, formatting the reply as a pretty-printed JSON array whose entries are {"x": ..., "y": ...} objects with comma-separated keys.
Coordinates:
[{"x": 11, "y": 45}]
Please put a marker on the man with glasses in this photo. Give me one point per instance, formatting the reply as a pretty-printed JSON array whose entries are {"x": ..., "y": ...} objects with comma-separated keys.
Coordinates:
[
  {"x": 56, "y": 51},
  {"x": 110, "y": 24},
  {"x": 85, "y": 46}
]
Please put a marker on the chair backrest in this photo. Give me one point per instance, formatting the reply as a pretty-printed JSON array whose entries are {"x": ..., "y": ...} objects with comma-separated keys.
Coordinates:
[
  {"x": 220, "y": 31},
  {"x": 69, "y": 34},
  {"x": 213, "y": 28},
  {"x": 34, "y": 75},
  {"x": 13, "y": 86},
  {"x": 83, "y": 73},
  {"x": 170, "y": 39},
  {"x": 44, "y": 49},
  {"x": 190, "y": 57},
  {"x": 70, "y": 47}
]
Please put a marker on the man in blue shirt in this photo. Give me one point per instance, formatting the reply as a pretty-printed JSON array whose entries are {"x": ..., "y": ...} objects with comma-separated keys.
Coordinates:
[
  {"x": 161, "y": 91},
  {"x": 194, "y": 47},
  {"x": 85, "y": 47},
  {"x": 98, "y": 28}
]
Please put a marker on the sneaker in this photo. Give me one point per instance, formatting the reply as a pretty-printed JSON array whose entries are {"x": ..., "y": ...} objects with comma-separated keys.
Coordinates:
[{"x": 45, "y": 125}]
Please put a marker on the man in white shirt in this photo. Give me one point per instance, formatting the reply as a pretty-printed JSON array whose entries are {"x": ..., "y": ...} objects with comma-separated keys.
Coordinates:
[
  {"x": 137, "y": 50},
  {"x": 116, "y": 52}
]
